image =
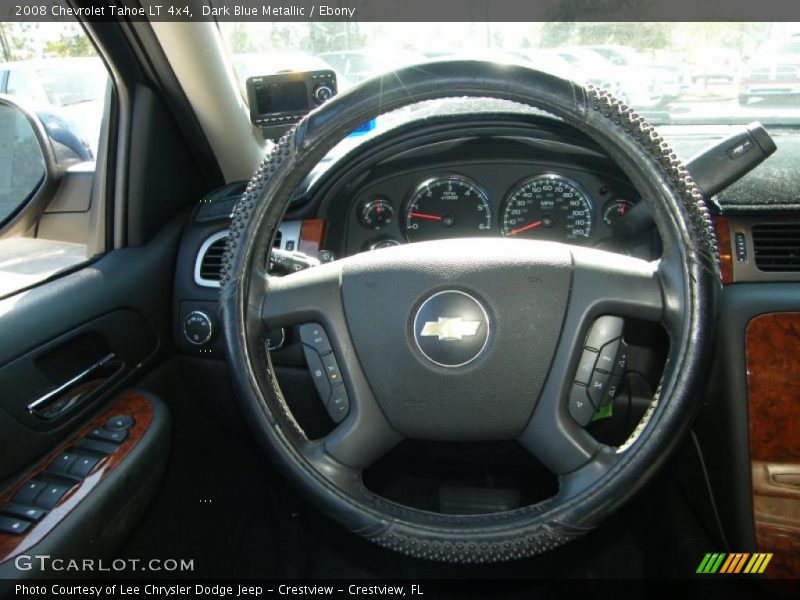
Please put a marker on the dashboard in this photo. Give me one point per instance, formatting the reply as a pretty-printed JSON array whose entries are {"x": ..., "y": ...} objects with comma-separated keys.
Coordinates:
[
  {"x": 515, "y": 176},
  {"x": 536, "y": 178},
  {"x": 528, "y": 180},
  {"x": 510, "y": 199}
]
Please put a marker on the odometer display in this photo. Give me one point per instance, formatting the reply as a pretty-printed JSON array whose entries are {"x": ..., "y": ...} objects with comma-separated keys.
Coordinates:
[
  {"x": 547, "y": 207},
  {"x": 447, "y": 207}
]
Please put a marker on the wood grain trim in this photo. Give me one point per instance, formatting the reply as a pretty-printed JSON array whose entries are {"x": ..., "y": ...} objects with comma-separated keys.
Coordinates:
[
  {"x": 773, "y": 394},
  {"x": 131, "y": 404},
  {"x": 722, "y": 229},
  {"x": 311, "y": 232}
]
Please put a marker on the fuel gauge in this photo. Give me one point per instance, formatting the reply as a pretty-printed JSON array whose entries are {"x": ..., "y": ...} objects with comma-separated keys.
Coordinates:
[{"x": 616, "y": 209}]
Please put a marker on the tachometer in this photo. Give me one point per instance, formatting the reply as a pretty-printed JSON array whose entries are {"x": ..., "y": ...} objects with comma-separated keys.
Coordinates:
[
  {"x": 548, "y": 207},
  {"x": 447, "y": 207}
]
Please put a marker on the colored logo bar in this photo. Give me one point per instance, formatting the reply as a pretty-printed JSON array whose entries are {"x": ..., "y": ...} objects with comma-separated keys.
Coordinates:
[{"x": 741, "y": 562}]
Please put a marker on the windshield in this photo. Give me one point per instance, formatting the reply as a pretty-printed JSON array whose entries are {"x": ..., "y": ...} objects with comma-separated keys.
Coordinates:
[
  {"x": 788, "y": 47},
  {"x": 670, "y": 72},
  {"x": 73, "y": 83}
]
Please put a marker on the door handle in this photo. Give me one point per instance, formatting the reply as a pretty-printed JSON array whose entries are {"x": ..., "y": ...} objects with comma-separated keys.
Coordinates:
[
  {"x": 776, "y": 479},
  {"x": 72, "y": 393}
]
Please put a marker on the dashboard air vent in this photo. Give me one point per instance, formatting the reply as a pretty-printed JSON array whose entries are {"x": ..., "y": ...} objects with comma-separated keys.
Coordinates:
[
  {"x": 211, "y": 263},
  {"x": 208, "y": 262},
  {"x": 777, "y": 246}
]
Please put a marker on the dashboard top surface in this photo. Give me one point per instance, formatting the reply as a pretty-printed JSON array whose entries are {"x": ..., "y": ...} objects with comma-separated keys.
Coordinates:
[
  {"x": 528, "y": 177},
  {"x": 768, "y": 188}
]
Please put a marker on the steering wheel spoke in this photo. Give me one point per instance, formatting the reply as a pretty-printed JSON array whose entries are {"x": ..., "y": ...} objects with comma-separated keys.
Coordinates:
[
  {"x": 364, "y": 437},
  {"x": 314, "y": 296},
  {"x": 605, "y": 283},
  {"x": 605, "y": 288},
  {"x": 309, "y": 295}
]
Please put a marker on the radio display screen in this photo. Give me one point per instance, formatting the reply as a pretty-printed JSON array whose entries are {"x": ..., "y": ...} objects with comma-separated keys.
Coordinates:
[{"x": 283, "y": 96}]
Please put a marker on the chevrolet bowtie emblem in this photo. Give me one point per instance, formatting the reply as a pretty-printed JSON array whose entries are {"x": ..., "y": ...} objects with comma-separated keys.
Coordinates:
[{"x": 450, "y": 328}]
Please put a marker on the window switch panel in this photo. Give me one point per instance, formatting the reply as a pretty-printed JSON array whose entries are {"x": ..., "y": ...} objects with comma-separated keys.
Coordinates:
[
  {"x": 13, "y": 525},
  {"x": 51, "y": 495},
  {"x": 82, "y": 466},
  {"x": 28, "y": 492},
  {"x": 101, "y": 433},
  {"x": 22, "y": 511}
]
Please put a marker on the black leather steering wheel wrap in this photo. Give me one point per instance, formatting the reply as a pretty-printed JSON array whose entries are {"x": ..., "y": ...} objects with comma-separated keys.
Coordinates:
[{"x": 678, "y": 291}]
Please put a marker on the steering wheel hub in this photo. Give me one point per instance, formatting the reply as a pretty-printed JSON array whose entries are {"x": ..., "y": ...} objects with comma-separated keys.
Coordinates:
[
  {"x": 451, "y": 328},
  {"x": 429, "y": 383}
]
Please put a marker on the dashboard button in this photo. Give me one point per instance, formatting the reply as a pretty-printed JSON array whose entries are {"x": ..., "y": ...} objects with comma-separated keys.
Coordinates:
[
  {"x": 318, "y": 374},
  {"x": 597, "y": 386},
  {"x": 198, "y": 328},
  {"x": 580, "y": 408},
  {"x": 613, "y": 389},
  {"x": 608, "y": 356},
  {"x": 621, "y": 362},
  {"x": 586, "y": 367},
  {"x": 604, "y": 330},
  {"x": 331, "y": 369},
  {"x": 339, "y": 403},
  {"x": 313, "y": 334}
]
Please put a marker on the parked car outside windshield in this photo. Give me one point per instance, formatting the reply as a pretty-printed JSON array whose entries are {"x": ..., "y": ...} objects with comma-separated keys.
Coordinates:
[
  {"x": 71, "y": 88},
  {"x": 773, "y": 74},
  {"x": 673, "y": 73}
]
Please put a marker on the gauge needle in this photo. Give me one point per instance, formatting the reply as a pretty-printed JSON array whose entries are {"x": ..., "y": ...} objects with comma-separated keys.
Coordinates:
[
  {"x": 420, "y": 215},
  {"x": 533, "y": 225}
]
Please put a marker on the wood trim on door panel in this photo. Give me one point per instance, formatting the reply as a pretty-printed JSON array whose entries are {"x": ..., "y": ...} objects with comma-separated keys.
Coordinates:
[
  {"x": 773, "y": 394},
  {"x": 131, "y": 404}
]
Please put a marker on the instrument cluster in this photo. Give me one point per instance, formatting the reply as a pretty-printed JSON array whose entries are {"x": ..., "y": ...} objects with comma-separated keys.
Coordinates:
[{"x": 539, "y": 202}]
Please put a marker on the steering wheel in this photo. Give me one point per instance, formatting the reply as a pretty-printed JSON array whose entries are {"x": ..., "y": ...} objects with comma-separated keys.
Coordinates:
[{"x": 473, "y": 339}]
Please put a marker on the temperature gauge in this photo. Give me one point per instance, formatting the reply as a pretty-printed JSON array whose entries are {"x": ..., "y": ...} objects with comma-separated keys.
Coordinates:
[
  {"x": 376, "y": 214},
  {"x": 615, "y": 210}
]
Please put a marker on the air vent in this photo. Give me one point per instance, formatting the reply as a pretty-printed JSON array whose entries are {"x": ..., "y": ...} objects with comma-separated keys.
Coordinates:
[
  {"x": 777, "y": 246},
  {"x": 210, "y": 263}
]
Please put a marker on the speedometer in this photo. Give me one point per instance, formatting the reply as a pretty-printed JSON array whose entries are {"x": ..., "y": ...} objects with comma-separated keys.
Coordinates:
[
  {"x": 548, "y": 207},
  {"x": 447, "y": 207}
]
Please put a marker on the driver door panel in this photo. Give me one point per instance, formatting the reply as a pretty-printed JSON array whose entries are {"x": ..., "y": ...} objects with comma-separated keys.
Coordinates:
[{"x": 56, "y": 331}]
